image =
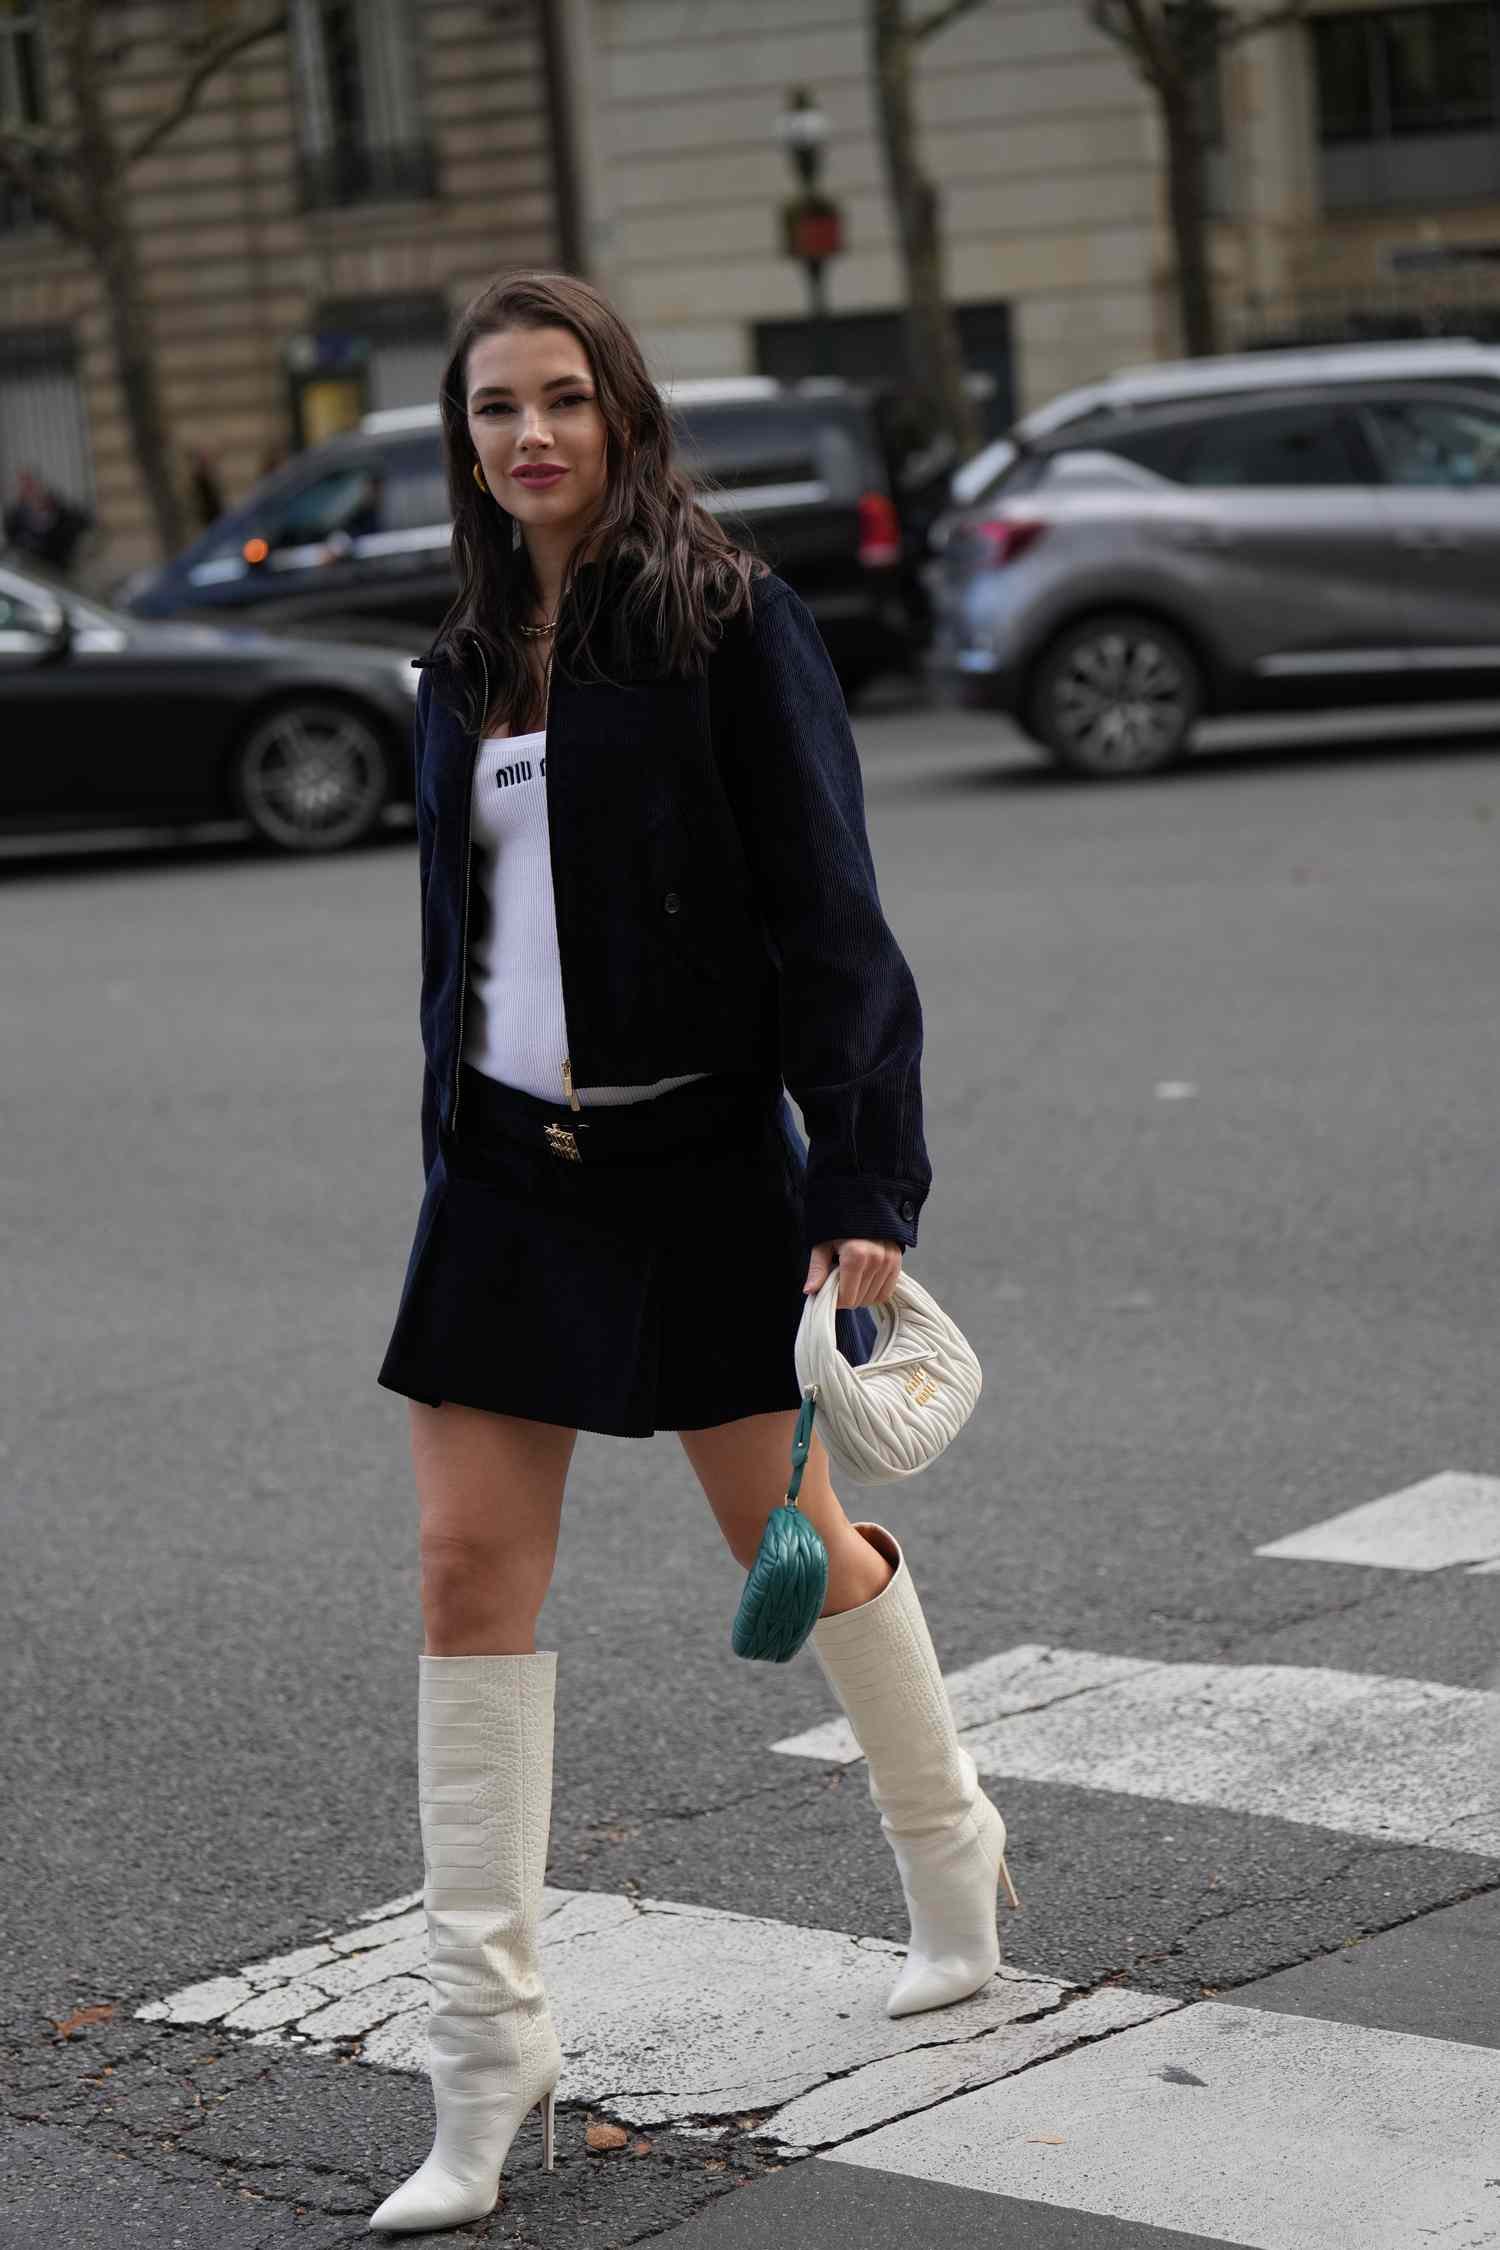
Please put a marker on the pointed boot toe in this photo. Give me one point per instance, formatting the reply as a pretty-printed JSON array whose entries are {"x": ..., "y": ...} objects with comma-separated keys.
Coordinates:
[
  {"x": 949, "y": 1881},
  {"x": 434, "y": 2197}
]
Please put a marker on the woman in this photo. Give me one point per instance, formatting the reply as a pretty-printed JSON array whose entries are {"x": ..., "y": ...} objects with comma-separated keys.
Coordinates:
[{"x": 647, "y": 900}]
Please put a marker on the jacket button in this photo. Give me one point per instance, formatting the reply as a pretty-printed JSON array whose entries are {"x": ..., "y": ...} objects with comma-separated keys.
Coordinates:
[
  {"x": 671, "y": 902},
  {"x": 908, "y": 1208}
]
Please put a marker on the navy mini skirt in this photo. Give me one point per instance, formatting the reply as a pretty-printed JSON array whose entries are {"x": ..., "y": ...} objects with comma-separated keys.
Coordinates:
[{"x": 623, "y": 1270}]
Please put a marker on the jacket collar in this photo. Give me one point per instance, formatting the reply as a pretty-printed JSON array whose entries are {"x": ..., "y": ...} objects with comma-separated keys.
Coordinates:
[{"x": 605, "y": 579}]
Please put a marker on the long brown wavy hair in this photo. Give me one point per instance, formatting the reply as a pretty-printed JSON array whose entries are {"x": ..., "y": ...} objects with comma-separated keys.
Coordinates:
[{"x": 680, "y": 580}]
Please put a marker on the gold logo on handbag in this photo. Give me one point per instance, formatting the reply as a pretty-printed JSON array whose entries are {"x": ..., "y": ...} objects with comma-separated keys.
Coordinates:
[
  {"x": 563, "y": 1143},
  {"x": 920, "y": 1385}
]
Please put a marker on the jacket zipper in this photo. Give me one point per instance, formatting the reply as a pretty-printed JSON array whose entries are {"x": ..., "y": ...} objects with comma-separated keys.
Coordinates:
[
  {"x": 463, "y": 933},
  {"x": 567, "y": 1067}
]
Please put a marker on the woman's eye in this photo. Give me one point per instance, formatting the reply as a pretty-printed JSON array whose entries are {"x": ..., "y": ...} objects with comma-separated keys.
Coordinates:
[{"x": 569, "y": 398}]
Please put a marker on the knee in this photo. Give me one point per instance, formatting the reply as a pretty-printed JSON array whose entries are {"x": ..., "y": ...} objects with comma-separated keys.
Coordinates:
[{"x": 479, "y": 1595}]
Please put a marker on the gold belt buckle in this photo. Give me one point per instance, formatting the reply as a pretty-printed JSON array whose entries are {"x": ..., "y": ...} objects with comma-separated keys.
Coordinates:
[{"x": 563, "y": 1142}]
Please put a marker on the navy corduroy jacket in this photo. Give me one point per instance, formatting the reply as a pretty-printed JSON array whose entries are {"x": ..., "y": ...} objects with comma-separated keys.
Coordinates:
[{"x": 716, "y": 902}]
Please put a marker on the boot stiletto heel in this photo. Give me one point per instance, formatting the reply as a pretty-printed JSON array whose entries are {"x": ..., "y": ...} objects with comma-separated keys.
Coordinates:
[
  {"x": 1010, "y": 1888},
  {"x": 549, "y": 2104}
]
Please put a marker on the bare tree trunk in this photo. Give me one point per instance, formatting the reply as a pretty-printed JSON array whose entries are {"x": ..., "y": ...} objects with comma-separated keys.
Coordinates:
[
  {"x": 102, "y": 195},
  {"x": 933, "y": 341},
  {"x": 1187, "y": 202}
]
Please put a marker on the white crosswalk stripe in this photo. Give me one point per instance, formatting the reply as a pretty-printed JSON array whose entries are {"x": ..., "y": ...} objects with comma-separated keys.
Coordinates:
[
  {"x": 1279, "y": 2132},
  {"x": 675, "y": 2013},
  {"x": 1446, "y": 1522},
  {"x": 1408, "y": 1761}
]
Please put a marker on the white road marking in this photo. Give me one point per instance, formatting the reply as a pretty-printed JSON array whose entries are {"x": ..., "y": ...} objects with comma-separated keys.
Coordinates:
[
  {"x": 1175, "y": 1090},
  {"x": 1407, "y": 1761},
  {"x": 1251, "y": 2127},
  {"x": 671, "y": 2013},
  {"x": 1444, "y": 1522}
]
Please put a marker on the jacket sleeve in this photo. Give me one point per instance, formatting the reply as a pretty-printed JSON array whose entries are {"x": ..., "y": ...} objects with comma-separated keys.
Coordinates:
[
  {"x": 850, "y": 1019},
  {"x": 424, "y": 872}
]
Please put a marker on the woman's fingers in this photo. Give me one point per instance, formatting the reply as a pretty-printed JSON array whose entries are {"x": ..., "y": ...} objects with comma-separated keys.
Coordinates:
[
  {"x": 867, "y": 1273},
  {"x": 819, "y": 1266}
]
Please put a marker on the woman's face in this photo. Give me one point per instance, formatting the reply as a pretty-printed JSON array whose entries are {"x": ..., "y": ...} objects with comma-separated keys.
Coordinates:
[{"x": 533, "y": 408}]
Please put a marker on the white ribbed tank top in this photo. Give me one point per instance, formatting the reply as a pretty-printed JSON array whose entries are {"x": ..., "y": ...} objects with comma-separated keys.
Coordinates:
[{"x": 514, "y": 1029}]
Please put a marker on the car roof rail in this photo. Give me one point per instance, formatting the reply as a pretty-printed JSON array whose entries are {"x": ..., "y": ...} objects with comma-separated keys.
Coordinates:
[
  {"x": 387, "y": 420},
  {"x": 712, "y": 390}
]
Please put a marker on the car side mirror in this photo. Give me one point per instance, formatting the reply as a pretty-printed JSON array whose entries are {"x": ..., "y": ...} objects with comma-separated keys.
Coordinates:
[
  {"x": 58, "y": 642},
  {"x": 30, "y": 646}
]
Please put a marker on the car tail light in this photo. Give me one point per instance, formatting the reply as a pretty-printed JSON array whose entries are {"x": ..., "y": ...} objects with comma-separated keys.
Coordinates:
[
  {"x": 879, "y": 531},
  {"x": 1003, "y": 538}
]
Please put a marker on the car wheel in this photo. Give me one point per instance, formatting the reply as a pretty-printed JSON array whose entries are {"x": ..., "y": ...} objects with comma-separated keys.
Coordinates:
[
  {"x": 1116, "y": 695},
  {"x": 312, "y": 776}
]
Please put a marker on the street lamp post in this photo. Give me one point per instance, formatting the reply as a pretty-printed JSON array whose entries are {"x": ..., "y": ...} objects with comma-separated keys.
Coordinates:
[{"x": 812, "y": 223}]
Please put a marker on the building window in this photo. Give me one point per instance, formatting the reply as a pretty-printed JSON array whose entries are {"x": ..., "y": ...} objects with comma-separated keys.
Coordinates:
[
  {"x": 363, "y": 134},
  {"x": 43, "y": 423},
  {"x": 23, "y": 100},
  {"x": 1408, "y": 100},
  {"x": 1395, "y": 71}
]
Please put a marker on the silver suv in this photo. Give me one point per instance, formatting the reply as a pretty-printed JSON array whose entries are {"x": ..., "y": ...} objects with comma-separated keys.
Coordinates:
[{"x": 1134, "y": 573}]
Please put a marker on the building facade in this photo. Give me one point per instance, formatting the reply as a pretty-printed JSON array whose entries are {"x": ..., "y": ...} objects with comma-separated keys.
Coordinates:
[
  {"x": 310, "y": 230},
  {"x": 1354, "y": 177},
  {"x": 306, "y": 234}
]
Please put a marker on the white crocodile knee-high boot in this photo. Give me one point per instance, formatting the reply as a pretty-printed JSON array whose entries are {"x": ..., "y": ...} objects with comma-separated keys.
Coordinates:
[
  {"x": 484, "y": 1757},
  {"x": 947, "y": 1837}
]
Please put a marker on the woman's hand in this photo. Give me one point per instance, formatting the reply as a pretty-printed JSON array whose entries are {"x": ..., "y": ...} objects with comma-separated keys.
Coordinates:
[{"x": 867, "y": 1270}]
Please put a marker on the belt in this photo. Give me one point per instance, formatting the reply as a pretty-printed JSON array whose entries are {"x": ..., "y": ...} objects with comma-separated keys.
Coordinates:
[{"x": 710, "y": 1112}]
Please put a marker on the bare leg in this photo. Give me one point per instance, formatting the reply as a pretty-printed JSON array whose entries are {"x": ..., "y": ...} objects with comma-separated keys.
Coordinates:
[
  {"x": 490, "y": 1491},
  {"x": 743, "y": 1468}
]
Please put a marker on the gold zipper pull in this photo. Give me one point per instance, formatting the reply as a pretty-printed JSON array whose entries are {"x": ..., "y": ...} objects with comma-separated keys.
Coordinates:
[{"x": 573, "y": 1101}]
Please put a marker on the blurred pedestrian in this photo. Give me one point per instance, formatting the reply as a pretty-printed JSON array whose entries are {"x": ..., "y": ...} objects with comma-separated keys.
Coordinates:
[
  {"x": 39, "y": 522},
  {"x": 207, "y": 491},
  {"x": 621, "y": 1222}
]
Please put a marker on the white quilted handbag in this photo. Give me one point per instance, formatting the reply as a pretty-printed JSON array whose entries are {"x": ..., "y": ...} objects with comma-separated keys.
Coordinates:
[{"x": 911, "y": 1398}]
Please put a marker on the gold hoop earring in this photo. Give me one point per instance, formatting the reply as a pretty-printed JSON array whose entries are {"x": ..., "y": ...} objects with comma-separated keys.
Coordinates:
[{"x": 479, "y": 478}]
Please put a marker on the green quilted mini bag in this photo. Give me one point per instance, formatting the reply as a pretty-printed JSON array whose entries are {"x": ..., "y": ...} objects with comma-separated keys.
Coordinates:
[{"x": 788, "y": 1581}]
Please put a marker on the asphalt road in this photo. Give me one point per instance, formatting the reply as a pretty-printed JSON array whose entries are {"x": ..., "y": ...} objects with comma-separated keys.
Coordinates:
[{"x": 1212, "y": 1083}]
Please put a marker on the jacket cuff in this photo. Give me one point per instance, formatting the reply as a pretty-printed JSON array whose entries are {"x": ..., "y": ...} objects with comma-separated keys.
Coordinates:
[{"x": 836, "y": 1208}]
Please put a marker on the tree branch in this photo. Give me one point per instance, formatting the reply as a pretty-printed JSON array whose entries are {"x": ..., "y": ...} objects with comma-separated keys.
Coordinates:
[
  {"x": 223, "y": 50},
  {"x": 1143, "y": 35},
  {"x": 927, "y": 27}
]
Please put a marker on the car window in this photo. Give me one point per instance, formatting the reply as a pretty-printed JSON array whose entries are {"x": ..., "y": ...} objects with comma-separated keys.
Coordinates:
[
  {"x": 1296, "y": 446},
  {"x": 347, "y": 500},
  {"x": 1022, "y": 474},
  {"x": 745, "y": 450},
  {"x": 1092, "y": 467},
  {"x": 1426, "y": 442},
  {"x": 416, "y": 492},
  {"x": 388, "y": 503}
]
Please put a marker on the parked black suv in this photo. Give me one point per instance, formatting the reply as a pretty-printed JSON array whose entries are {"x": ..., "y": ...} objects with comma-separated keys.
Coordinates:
[{"x": 350, "y": 539}]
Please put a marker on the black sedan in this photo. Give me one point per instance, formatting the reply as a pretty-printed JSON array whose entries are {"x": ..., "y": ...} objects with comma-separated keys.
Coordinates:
[{"x": 109, "y": 721}]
